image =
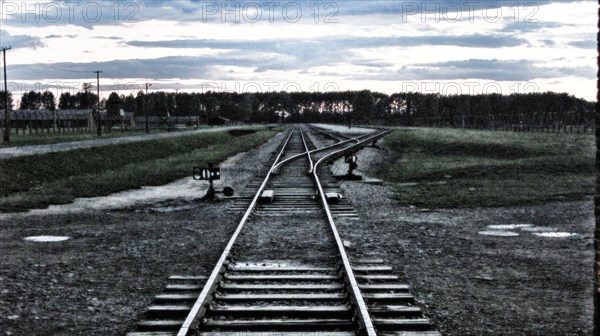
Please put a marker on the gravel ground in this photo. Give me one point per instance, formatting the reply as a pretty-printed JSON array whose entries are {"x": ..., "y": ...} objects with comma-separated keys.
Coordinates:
[
  {"x": 474, "y": 284},
  {"x": 100, "y": 281}
]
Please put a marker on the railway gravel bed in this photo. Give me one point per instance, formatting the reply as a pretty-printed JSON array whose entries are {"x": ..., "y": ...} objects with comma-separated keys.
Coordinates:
[
  {"x": 276, "y": 236},
  {"x": 470, "y": 284}
]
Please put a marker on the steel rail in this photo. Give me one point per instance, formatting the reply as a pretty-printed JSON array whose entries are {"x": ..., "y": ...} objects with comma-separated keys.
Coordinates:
[
  {"x": 310, "y": 161},
  {"x": 341, "y": 142},
  {"x": 192, "y": 320},
  {"x": 276, "y": 167},
  {"x": 363, "y": 313},
  {"x": 367, "y": 138},
  {"x": 356, "y": 139},
  {"x": 358, "y": 142}
]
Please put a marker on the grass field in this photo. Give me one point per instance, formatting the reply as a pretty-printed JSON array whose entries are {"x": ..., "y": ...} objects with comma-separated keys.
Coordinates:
[
  {"x": 444, "y": 168},
  {"x": 55, "y": 178},
  {"x": 52, "y": 138}
]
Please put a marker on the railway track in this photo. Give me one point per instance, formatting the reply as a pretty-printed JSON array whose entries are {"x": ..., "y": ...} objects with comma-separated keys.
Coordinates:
[{"x": 301, "y": 282}]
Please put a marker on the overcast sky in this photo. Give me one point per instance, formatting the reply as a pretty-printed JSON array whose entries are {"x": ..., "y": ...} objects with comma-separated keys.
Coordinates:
[{"x": 388, "y": 46}]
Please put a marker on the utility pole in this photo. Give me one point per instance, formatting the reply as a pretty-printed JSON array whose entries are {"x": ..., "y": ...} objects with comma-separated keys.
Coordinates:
[
  {"x": 147, "y": 127},
  {"x": 98, "y": 109},
  {"x": 6, "y": 115},
  {"x": 596, "y": 325}
]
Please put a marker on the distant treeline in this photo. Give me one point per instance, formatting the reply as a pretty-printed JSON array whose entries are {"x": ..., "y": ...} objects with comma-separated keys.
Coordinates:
[{"x": 547, "y": 109}]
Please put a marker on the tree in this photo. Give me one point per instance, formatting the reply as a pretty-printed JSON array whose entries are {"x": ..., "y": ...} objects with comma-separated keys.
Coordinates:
[
  {"x": 140, "y": 103},
  {"x": 67, "y": 101},
  {"x": 31, "y": 101},
  {"x": 363, "y": 104},
  {"x": 113, "y": 104},
  {"x": 86, "y": 100},
  {"x": 10, "y": 100},
  {"x": 36, "y": 100},
  {"x": 64, "y": 101},
  {"x": 245, "y": 106},
  {"x": 129, "y": 103},
  {"x": 47, "y": 101}
]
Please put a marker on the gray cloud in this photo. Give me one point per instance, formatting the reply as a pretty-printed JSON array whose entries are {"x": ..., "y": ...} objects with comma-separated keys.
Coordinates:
[
  {"x": 59, "y": 36},
  {"x": 109, "y": 37},
  {"x": 91, "y": 13},
  {"x": 20, "y": 41},
  {"x": 548, "y": 43},
  {"x": 484, "y": 69},
  {"x": 584, "y": 44},
  {"x": 285, "y": 54},
  {"x": 83, "y": 13},
  {"x": 526, "y": 27},
  {"x": 159, "y": 68},
  {"x": 345, "y": 42},
  {"x": 442, "y": 7},
  {"x": 303, "y": 54},
  {"x": 297, "y": 54},
  {"x": 203, "y": 68}
]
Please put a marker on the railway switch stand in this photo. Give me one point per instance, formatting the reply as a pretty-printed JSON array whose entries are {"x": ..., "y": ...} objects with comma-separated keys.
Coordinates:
[
  {"x": 351, "y": 159},
  {"x": 210, "y": 174}
]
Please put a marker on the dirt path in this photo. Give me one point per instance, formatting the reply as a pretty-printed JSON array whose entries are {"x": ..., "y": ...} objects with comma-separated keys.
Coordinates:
[{"x": 65, "y": 146}]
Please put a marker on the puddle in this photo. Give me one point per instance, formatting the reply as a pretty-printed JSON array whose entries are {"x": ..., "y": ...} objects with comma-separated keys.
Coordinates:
[
  {"x": 501, "y": 230},
  {"x": 555, "y": 234},
  {"x": 509, "y": 226},
  {"x": 374, "y": 181},
  {"x": 407, "y": 184},
  {"x": 538, "y": 229},
  {"x": 167, "y": 209},
  {"x": 499, "y": 233},
  {"x": 44, "y": 239}
]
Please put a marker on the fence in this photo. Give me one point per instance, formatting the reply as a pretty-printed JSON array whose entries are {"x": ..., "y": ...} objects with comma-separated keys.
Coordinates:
[
  {"x": 547, "y": 123},
  {"x": 85, "y": 121},
  {"x": 45, "y": 121}
]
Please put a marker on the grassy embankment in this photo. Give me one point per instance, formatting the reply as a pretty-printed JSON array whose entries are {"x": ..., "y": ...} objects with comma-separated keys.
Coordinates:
[
  {"x": 52, "y": 138},
  {"x": 39, "y": 180},
  {"x": 466, "y": 168}
]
